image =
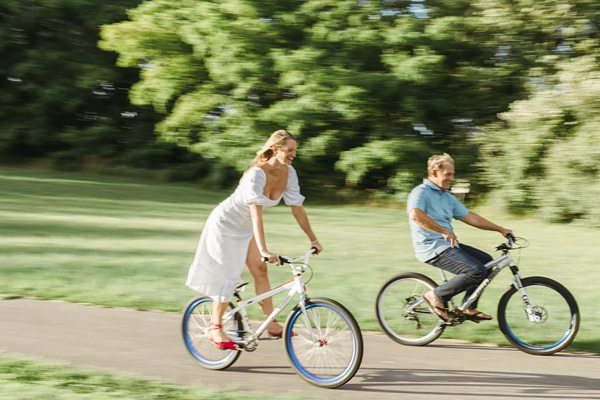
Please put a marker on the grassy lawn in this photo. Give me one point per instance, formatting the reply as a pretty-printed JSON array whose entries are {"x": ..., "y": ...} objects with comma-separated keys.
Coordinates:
[
  {"x": 35, "y": 380},
  {"x": 128, "y": 243}
]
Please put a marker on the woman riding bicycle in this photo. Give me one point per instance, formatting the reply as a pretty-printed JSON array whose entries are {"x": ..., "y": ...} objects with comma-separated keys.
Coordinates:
[
  {"x": 431, "y": 209},
  {"x": 233, "y": 234}
]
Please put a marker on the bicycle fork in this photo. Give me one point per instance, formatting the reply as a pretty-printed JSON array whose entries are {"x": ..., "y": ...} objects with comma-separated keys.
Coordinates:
[{"x": 532, "y": 315}]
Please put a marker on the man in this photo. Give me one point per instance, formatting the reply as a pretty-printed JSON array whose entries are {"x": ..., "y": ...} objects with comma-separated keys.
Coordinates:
[{"x": 431, "y": 208}]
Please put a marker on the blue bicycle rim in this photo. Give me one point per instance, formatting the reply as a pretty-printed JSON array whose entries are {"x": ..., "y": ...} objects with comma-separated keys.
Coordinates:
[
  {"x": 186, "y": 337},
  {"x": 293, "y": 355}
]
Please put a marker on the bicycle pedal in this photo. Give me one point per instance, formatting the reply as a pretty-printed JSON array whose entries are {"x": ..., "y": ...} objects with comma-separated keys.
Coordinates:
[{"x": 456, "y": 317}]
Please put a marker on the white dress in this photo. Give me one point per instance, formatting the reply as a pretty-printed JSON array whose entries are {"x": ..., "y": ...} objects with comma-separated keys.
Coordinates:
[{"x": 223, "y": 246}]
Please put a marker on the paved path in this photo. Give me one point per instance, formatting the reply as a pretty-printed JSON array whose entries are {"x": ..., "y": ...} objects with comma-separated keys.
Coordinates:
[{"x": 148, "y": 344}]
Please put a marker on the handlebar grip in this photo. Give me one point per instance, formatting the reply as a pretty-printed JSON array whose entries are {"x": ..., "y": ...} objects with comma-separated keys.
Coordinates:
[{"x": 511, "y": 237}]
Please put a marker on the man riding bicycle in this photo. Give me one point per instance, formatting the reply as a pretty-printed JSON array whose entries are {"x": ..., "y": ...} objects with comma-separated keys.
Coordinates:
[{"x": 431, "y": 208}]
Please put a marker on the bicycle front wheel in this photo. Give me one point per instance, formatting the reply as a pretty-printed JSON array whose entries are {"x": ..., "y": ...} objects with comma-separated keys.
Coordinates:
[
  {"x": 195, "y": 329},
  {"x": 403, "y": 313},
  {"x": 324, "y": 344},
  {"x": 554, "y": 322}
]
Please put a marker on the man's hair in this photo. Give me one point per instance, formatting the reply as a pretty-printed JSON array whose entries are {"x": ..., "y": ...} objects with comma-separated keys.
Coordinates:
[{"x": 436, "y": 162}]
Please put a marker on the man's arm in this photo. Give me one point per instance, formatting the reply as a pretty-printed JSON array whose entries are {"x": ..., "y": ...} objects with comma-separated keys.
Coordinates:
[
  {"x": 419, "y": 217},
  {"x": 478, "y": 221}
]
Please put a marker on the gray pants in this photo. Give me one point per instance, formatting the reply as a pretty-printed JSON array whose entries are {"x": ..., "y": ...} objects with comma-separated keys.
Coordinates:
[{"x": 467, "y": 263}]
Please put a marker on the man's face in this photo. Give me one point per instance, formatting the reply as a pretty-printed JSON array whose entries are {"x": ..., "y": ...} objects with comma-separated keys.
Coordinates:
[{"x": 444, "y": 176}]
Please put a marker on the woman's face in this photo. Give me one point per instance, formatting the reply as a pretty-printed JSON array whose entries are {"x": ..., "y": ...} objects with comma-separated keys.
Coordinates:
[{"x": 287, "y": 152}]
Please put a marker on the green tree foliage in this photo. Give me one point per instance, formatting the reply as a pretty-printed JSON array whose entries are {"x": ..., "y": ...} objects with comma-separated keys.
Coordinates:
[
  {"x": 370, "y": 87},
  {"x": 64, "y": 97},
  {"x": 543, "y": 154}
]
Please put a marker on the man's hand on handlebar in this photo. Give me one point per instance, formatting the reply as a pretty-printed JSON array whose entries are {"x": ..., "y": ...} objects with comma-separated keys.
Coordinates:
[{"x": 507, "y": 233}]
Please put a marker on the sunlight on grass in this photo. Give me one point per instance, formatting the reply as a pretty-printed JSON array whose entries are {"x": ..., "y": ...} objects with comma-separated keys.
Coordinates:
[
  {"x": 35, "y": 380},
  {"x": 129, "y": 243}
]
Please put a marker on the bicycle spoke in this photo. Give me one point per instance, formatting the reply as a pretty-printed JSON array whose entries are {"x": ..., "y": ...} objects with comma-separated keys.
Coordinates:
[
  {"x": 195, "y": 329},
  {"x": 402, "y": 313},
  {"x": 554, "y": 322},
  {"x": 327, "y": 350}
]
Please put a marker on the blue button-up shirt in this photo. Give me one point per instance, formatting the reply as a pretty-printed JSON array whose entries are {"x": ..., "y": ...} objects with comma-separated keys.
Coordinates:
[{"x": 441, "y": 206}]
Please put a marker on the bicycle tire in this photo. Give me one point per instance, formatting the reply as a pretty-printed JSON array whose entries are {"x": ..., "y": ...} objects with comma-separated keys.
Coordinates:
[
  {"x": 333, "y": 356},
  {"x": 402, "y": 313},
  {"x": 195, "y": 329},
  {"x": 557, "y": 312}
]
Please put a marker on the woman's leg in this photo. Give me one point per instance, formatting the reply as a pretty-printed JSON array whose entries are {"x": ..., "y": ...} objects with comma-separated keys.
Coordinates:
[
  {"x": 259, "y": 272},
  {"x": 216, "y": 331}
]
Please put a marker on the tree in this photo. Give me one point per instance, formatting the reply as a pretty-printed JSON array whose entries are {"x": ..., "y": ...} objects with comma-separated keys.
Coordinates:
[
  {"x": 62, "y": 96},
  {"x": 543, "y": 152},
  {"x": 370, "y": 87}
]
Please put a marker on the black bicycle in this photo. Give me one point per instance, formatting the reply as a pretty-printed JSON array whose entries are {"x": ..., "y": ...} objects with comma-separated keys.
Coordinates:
[{"x": 536, "y": 314}]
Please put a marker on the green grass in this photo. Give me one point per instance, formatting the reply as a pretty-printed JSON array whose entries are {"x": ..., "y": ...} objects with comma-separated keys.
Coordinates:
[
  {"x": 128, "y": 243},
  {"x": 35, "y": 380}
]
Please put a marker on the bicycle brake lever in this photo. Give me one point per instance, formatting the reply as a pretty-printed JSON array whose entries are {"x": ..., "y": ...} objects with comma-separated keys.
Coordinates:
[
  {"x": 283, "y": 260},
  {"x": 502, "y": 246}
]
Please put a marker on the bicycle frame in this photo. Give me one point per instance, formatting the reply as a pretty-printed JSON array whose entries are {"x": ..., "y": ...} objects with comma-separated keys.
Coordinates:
[
  {"x": 294, "y": 287},
  {"x": 497, "y": 265}
]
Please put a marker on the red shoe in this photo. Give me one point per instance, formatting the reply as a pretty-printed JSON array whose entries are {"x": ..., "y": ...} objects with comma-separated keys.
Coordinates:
[{"x": 226, "y": 345}]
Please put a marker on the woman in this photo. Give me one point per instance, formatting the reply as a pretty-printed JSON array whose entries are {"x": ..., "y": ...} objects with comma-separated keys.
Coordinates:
[{"x": 234, "y": 233}]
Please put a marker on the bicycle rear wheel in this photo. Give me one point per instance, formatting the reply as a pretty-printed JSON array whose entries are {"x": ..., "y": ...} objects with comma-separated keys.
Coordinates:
[
  {"x": 403, "y": 313},
  {"x": 324, "y": 344},
  {"x": 556, "y": 319},
  {"x": 195, "y": 329}
]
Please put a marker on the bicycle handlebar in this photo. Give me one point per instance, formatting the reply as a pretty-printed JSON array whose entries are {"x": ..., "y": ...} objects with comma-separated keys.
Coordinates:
[
  {"x": 511, "y": 239},
  {"x": 289, "y": 260},
  {"x": 512, "y": 243}
]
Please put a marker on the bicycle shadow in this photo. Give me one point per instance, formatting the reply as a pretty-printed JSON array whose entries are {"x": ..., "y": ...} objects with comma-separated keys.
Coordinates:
[
  {"x": 391, "y": 381},
  {"x": 496, "y": 348},
  {"x": 492, "y": 384}
]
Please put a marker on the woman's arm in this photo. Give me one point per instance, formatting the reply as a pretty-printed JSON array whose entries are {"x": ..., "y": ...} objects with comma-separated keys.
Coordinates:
[
  {"x": 259, "y": 232},
  {"x": 302, "y": 218}
]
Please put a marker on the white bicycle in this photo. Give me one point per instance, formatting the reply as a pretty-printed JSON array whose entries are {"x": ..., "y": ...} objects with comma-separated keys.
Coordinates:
[{"x": 322, "y": 339}]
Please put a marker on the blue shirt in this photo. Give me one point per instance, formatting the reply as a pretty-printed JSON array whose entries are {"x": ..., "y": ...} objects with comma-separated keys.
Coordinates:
[{"x": 441, "y": 206}]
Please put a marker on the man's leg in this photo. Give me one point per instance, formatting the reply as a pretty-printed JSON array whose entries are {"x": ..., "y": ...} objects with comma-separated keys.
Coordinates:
[
  {"x": 469, "y": 271},
  {"x": 483, "y": 258}
]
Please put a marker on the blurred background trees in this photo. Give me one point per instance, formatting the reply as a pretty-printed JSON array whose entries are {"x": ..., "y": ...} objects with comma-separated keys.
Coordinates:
[
  {"x": 63, "y": 99},
  {"x": 371, "y": 88}
]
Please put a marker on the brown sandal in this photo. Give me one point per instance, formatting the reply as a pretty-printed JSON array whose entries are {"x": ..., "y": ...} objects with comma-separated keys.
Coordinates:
[{"x": 441, "y": 312}]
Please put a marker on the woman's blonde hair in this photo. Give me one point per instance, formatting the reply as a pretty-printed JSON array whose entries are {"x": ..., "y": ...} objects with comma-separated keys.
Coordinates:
[
  {"x": 276, "y": 140},
  {"x": 436, "y": 162}
]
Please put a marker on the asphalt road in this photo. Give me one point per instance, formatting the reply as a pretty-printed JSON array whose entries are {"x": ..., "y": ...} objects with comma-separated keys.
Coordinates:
[{"x": 148, "y": 344}]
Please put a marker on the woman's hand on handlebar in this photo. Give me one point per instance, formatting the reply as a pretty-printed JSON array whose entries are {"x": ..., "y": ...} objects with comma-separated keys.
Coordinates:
[
  {"x": 317, "y": 246},
  {"x": 267, "y": 256}
]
